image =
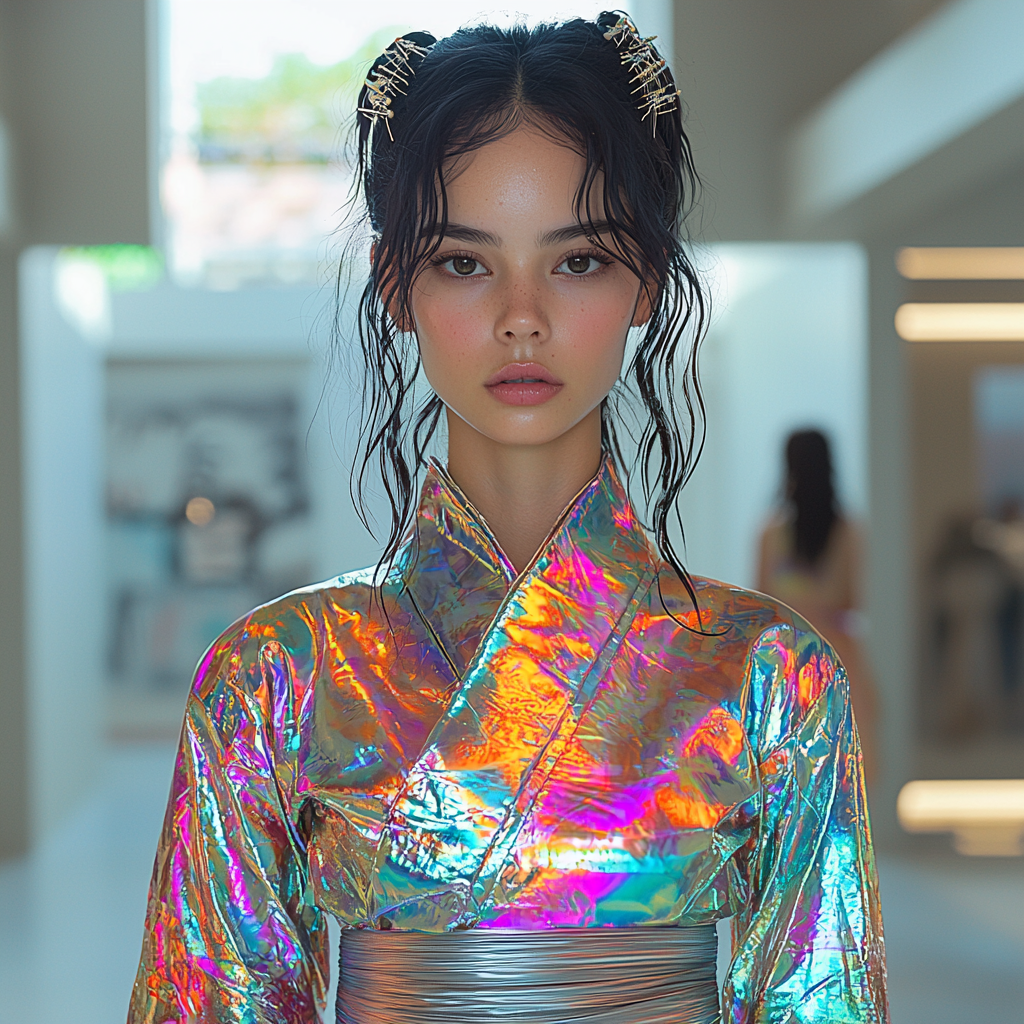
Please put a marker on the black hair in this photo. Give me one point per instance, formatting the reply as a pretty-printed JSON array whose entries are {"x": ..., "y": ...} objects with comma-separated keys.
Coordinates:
[
  {"x": 566, "y": 80},
  {"x": 811, "y": 493}
]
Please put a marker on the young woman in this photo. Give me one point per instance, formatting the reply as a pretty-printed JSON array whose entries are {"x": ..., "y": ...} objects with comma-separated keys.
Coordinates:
[
  {"x": 527, "y": 762},
  {"x": 810, "y": 557}
]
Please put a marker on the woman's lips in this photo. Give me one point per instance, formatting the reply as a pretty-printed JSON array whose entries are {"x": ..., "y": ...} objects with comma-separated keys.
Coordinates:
[{"x": 523, "y": 384}]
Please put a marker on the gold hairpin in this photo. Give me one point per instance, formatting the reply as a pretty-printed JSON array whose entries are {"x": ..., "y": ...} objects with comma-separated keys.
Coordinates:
[
  {"x": 387, "y": 79},
  {"x": 645, "y": 67}
]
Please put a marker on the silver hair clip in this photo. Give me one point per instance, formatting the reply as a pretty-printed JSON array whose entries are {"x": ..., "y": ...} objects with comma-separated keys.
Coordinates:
[
  {"x": 387, "y": 79},
  {"x": 646, "y": 68}
]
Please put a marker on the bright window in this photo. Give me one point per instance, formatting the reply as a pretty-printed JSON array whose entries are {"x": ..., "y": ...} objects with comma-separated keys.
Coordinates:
[{"x": 257, "y": 106}]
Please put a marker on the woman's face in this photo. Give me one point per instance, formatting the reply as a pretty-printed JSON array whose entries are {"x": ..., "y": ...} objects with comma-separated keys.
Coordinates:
[{"x": 521, "y": 320}]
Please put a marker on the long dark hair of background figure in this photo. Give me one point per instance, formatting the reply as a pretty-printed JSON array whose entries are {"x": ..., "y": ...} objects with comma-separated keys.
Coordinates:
[{"x": 811, "y": 493}]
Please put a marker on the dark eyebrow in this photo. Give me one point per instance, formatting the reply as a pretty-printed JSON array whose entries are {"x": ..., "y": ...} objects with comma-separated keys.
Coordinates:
[
  {"x": 567, "y": 234},
  {"x": 462, "y": 233}
]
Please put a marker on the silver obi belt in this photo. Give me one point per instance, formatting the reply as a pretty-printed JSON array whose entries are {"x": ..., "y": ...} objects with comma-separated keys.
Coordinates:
[{"x": 585, "y": 975}]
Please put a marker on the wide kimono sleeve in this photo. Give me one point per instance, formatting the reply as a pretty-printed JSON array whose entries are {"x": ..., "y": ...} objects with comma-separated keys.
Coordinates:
[
  {"x": 808, "y": 946},
  {"x": 231, "y": 935}
]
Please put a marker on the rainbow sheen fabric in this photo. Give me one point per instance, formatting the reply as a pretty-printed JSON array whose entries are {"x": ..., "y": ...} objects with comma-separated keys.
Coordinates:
[{"x": 469, "y": 748}]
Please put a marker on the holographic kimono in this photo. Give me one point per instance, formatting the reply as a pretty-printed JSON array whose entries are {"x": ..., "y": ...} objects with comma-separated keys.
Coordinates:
[{"x": 468, "y": 747}]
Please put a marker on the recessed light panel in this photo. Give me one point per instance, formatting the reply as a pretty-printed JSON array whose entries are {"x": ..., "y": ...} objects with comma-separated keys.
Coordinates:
[
  {"x": 961, "y": 321},
  {"x": 961, "y": 264}
]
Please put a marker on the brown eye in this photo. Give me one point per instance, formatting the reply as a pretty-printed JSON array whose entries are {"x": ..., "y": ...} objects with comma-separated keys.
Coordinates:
[
  {"x": 578, "y": 264},
  {"x": 464, "y": 266}
]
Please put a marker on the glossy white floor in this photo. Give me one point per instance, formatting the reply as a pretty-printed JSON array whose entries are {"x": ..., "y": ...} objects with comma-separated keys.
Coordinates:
[{"x": 71, "y": 917}]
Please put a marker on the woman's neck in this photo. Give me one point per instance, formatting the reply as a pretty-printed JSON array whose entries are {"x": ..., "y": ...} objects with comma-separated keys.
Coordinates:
[{"x": 522, "y": 490}]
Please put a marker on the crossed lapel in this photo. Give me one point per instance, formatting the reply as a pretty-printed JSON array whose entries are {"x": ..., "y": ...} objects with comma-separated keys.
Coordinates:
[{"x": 519, "y": 700}]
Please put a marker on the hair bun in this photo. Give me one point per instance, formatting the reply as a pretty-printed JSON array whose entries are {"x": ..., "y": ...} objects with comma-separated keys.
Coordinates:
[
  {"x": 647, "y": 71},
  {"x": 390, "y": 76},
  {"x": 424, "y": 39},
  {"x": 606, "y": 19}
]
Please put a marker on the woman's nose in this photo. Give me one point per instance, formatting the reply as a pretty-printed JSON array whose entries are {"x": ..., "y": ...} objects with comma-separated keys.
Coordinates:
[{"x": 522, "y": 315}]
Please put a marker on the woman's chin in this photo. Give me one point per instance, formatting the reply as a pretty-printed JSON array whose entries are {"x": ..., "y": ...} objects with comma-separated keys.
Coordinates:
[
  {"x": 532, "y": 436},
  {"x": 522, "y": 426}
]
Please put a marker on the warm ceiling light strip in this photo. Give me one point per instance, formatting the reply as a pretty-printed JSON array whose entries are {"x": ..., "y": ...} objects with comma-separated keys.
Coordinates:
[
  {"x": 986, "y": 816},
  {"x": 935, "y": 264},
  {"x": 941, "y": 803},
  {"x": 960, "y": 321}
]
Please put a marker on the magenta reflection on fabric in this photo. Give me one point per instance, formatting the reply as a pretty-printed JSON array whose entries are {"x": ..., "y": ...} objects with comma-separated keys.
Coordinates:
[{"x": 466, "y": 748}]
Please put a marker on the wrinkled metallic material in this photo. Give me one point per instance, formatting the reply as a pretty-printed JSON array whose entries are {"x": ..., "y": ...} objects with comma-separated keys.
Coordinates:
[
  {"x": 585, "y": 975},
  {"x": 469, "y": 748}
]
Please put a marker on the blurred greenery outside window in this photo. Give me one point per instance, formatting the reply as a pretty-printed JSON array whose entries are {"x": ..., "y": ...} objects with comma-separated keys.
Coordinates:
[
  {"x": 290, "y": 117},
  {"x": 260, "y": 187},
  {"x": 125, "y": 268}
]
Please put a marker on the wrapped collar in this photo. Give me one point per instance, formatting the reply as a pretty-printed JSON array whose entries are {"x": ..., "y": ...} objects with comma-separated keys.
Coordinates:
[{"x": 459, "y": 578}]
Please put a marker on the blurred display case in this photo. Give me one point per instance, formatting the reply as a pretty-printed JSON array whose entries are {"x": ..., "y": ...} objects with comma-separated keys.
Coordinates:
[{"x": 207, "y": 515}]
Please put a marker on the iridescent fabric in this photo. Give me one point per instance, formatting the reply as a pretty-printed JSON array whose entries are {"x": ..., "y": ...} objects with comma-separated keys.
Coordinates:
[{"x": 568, "y": 748}]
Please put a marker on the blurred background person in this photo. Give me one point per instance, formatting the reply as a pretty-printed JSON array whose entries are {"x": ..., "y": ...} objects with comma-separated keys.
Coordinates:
[
  {"x": 977, "y": 587},
  {"x": 969, "y": 586},
  {"x": 810, "y": 557}
]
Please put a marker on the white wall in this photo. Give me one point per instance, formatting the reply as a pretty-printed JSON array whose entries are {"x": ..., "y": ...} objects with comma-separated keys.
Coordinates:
[
  {"x": 62, "y": 425},
  {"x": 787, "y": 349}
]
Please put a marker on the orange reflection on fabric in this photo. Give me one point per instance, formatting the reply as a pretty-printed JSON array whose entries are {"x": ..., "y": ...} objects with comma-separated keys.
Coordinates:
[
  {"x": 524, "y": 708},
  {"x": 688, "y": 809},
  {"x": 814, "y": 678},
  {"x": 717, "y": 733}
]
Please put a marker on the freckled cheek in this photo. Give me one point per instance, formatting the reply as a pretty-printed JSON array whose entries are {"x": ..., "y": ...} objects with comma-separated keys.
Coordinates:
[
  {"x": 451, "y": 338},
  {"x": 595, "y": 337},
  {"x": 447, "y": 333}
]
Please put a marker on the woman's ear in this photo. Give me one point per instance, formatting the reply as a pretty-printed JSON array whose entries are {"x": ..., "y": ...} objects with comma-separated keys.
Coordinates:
[
  {"x": 392, "y": 303},
  {"x": 644, "y": 309}
]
